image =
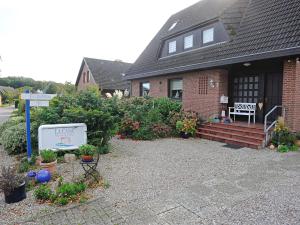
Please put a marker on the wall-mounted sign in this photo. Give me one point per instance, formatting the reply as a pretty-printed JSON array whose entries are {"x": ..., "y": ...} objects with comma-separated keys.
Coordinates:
[
  {"x": 224, "y": 99},
  {"x": 62, "y": 136}
]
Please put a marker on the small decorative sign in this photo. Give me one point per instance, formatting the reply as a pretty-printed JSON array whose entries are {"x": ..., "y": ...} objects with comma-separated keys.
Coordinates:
[
  {"x": 224, "y": 99},
  {"x": 62, "y": 136},
  {"x": 39, "y": 103}
]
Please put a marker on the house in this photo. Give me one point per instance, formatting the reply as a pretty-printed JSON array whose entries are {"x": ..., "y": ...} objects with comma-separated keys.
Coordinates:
[
  {"x": 247, "y": 50},
  {"x": 108, "y": 75}
]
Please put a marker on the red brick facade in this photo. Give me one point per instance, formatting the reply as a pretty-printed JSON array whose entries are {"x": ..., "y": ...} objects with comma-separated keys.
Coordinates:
[
  {"x": 84, "y": 84},
  {"x": 291, "y": 93},
  {"x": 206, "y": 102}
]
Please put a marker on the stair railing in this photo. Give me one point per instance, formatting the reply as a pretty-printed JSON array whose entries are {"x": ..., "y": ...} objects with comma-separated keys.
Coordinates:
[{"x": 268, "y": 128}]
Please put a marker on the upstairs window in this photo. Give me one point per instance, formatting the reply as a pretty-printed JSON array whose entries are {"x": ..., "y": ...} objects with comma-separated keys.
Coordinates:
[
  {"x": 208, "y": 35},
  {"x": 188, "y": 41},
  {"x": 84, "y": 75},
  {"x": 172, "y": 47},
  {"x": 144, "y": 89},
  {"x": 175, "y": 89},
  {"x": 88, "y": 76}
]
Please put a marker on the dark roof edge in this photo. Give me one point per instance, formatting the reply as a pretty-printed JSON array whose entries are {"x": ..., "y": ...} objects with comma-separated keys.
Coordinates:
[{"x": 221, "y": 62}]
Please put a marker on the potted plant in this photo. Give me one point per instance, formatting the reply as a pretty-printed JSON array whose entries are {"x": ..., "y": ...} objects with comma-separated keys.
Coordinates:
[
  {"x": 12, "y": 184},
  {"x": 87, "y": 152},
  {"x": 186, "y": 128},
  {"x": 48, "y": 160}
]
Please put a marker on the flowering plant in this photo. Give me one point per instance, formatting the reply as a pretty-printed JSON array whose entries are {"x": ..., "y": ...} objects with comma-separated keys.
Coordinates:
[{"x": 187, "y": 126}]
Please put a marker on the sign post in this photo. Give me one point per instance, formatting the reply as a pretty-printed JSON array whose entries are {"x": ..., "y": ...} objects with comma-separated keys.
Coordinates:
[
  {"x": 38, "y": 100},
  {"x": 28, "y": 136}
]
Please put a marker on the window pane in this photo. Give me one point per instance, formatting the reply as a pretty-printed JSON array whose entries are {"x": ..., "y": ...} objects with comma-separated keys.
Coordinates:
[
  {"x": 172, "y": 47},
  {"x": 208, "y": 35},
  {"x": 188, "y": 42},
  {"x": 145, "y": 89},
  {"x": 176, "y": 89}
]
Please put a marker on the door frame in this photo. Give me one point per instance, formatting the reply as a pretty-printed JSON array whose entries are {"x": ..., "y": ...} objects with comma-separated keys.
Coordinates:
[{"x": 262, "y": 69}]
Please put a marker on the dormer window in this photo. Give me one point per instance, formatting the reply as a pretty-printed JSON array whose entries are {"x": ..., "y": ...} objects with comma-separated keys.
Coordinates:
[
  {"x": 188, "y": 41},
  {"x": 172, "y": 47},
  {"x": 208, "y": 35},
  {"x": 173, "y": 26}
]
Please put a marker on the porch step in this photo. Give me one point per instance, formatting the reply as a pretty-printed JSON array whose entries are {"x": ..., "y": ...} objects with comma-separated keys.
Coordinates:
[
  {"x": 236, "y": 134},
  {"x": 237, "y": 129}
]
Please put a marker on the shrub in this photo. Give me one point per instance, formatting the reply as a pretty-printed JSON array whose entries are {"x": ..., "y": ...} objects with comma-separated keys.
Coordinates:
[
  {"x": 11, "y": 122},
  {"x": 70, "y": 189},
  {"x": 48, "y": 156},
  {"x": 104, "y": 149},
  {"x": 144, "y": 133},
  {"x": 128, "y": 126},
  {"x": 87, "y": 149},
  {"x": 14, "y": 139},
  {"x": 283, "y": 137},
  {"x": 43, "y": 192},
  {"x": 283, "y": 148},
  {"x": 161, "y": 130}
]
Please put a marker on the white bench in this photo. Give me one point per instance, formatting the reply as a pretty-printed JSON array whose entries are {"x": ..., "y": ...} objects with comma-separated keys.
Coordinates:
[{"x": 245, "y": 109}]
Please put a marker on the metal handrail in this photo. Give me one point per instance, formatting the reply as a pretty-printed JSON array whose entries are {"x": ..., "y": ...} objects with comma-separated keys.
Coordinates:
[{"x": 266, "y": 129}]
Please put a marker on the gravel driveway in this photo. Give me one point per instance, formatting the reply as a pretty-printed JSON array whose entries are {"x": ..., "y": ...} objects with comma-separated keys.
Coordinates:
[{"x": 175, "y": 181}]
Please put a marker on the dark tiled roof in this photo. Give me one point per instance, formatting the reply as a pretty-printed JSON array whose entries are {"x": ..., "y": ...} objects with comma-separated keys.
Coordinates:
[
  {"x": 258, "y": 29},
  {"x": 108, "y": 74}
]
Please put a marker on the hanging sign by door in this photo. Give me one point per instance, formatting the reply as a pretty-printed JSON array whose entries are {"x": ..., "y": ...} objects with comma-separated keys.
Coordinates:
[{"x": 260, "y": 105}]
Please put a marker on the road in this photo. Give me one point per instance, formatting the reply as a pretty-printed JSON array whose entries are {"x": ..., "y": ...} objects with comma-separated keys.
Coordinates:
[{"x": 5, "y": 113}]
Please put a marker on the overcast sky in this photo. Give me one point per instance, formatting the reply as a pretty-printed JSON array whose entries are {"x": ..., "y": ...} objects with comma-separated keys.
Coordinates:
[{"x": 47, "y": 39}]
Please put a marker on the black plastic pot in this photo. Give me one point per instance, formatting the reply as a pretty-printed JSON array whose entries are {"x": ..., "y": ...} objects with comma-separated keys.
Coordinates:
[
  {"x": 184, "y": 135},
  {"x": 18, "y": 194}
]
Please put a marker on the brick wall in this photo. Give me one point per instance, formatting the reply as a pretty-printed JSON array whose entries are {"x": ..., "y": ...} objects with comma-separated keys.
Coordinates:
[
  {"x": 291, "y": 93},
  {"x": 83, "y": 85},
  {"x": 206, "y": 103}
]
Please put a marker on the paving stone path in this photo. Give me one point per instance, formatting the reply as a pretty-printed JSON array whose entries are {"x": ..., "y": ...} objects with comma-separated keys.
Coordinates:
[{"x": 174, "y": 181}]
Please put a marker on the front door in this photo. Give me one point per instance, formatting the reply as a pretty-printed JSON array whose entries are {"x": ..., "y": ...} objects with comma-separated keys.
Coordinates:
[
  {"x": 273, "y": 93},
  {"x": 259, "y": 83},
  {"x": 248, "y": 88}
]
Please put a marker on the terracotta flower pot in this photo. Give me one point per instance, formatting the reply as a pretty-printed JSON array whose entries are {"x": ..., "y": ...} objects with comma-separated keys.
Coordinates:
[
  {"x": 87, "y": 158},
  {"x": 51, "y": 167}
]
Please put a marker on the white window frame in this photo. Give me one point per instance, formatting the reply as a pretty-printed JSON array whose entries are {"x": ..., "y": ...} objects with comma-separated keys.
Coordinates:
[
  {"x": 172, "y": 47},
  {"x": 189, "y": 41},
  {"x": 210, "y": 38}
]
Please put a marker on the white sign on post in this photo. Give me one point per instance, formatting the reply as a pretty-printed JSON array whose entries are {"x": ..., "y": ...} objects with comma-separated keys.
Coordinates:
[
  {"x": 62, "y": 136},
  {"x": 39, "y": 103},
  {"x": 45, "y": 97}
]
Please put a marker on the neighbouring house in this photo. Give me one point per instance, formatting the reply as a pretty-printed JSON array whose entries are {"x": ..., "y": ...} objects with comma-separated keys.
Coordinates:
[
  {"x": 108, "y": 75},
  {"x": 247, "y": 50}
]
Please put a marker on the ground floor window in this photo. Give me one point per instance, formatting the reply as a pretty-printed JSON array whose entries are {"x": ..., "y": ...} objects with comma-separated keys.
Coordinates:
[
  {"x": 144, "y": 89},
  {"x": 175, "y": 89},
  {"x": 246, "y": 89}
]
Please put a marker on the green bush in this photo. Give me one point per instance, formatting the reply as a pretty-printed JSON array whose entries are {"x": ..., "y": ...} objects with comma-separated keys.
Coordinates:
[
  {"x": 48, "y": 156},
  {"x": 69, "y": 190},
  {"x": 43, "y": 192},
  {"x": 144, "y": 133},
  {"x": 14, "y": 139},
  {"x": 283, "y": 148},
  {"x": 104, "y": 149},
  {"x": 11, "y": 122},
  {"x": 283, "y": 137}
]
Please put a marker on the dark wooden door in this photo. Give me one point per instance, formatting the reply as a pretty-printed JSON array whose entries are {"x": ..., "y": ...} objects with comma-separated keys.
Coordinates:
[{"x": 273, "y": 92}]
